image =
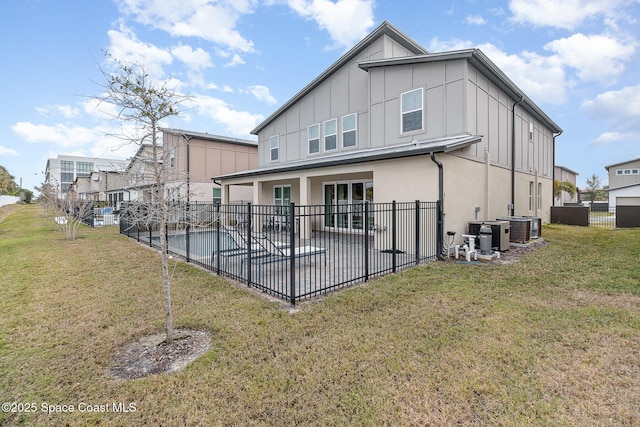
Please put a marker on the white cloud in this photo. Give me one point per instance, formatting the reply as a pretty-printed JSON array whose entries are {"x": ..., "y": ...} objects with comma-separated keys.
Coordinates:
[
  {"x": 235, "y": 60},
  {"x": 125, "y": 47},
  {"x": 595, "y": 57},
  {"x": 197, "y": 59},
  {"x": 210, "y": 20},
  {"x": 622, "y": 107},
  {"x": 98, "y": 141},
  {"x": 541, "y": 77},
  {"x": 66, "y": 111},
  {"x": 612, "y": 137},
  {"x": 346, "y": 21},
  {"x": 474, "y": 20},
  {"x": 4, "y": 151},
  {"x": 566, "y": 14},
  {"x": 547, "y": 78},
  {"x": 102, "y": 110},
  {"x": 437, "y": 45},
  {"x": 238, "y": 123},
  {"x": 262, "y": 93}
]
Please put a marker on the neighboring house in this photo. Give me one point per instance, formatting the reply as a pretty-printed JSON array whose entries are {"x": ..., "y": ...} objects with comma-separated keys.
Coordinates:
[
  {"x": 201, "y": 156},
  {"x": 563, "y": 174},
  {"x": 191, "y": 159},
  {"x": 624, "y": 183},
  {"x": 391, "y": 121},
  {"x": 62, "y": 171}
]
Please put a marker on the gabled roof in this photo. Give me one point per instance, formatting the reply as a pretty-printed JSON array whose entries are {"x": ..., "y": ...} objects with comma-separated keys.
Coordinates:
[
  {"x": 624, "y": 187},
  {"x": 211, "y": 137},
  {"x": 622, "y": 163},
  {"x": 383, "y": 29},
  {"x": 483, "y": 64},
  {"x": 143, "y": 155},
  {"x": 413, "y": 148},
  {"x": 567, "y": 169}
]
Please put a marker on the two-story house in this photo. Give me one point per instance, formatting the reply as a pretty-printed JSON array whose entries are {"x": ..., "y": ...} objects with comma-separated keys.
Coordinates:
[
  {"x": 564, "y": 174},
  {"x": 624, "y": 183},
  {"x": 195, "y": 157},
  {"x": 391, "y": 121}
]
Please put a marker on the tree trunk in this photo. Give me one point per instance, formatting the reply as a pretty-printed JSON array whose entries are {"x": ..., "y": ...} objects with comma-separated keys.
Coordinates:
[{"x": 166, "y": 282}]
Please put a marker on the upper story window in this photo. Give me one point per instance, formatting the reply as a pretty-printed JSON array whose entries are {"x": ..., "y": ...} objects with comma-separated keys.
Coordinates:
[
  {"x": 84, "y": 168},
  {"x": 172, "y": 157},
  {"x": 330, "y": 134},
  {"x": 530, "y": 132},
  {"x": 66, "y": 166},
  {"x": 349, "y": 133},
  {"x": 313, "y": 135},
  {"x": 274, "y": 147},
  {"x": 412, "y": 110},
  {"x": 633, "y": 171}
]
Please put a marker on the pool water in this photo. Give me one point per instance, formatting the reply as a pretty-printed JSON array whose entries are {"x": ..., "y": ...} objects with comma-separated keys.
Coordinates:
[{"x": 201, "y": 244}]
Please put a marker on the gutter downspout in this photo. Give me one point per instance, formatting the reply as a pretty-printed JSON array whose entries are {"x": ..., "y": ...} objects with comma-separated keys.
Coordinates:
[
  {"x": 513, "y": 156},
  {"x": 553, "y": 173},
  {"x": 440, "y": 228}
]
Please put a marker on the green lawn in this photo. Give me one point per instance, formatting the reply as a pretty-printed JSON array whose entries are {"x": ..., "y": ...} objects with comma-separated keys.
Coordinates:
[{"x": 551, "y": 340}]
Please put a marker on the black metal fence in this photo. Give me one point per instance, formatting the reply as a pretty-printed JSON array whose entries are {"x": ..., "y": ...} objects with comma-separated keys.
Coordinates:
[
  {"x": 100, "y": 214},
  {"x": 297, "y": 252}
]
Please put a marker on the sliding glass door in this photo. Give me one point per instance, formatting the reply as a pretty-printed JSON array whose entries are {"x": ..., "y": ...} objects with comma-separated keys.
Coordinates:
[{"x": 344, "y": 204}]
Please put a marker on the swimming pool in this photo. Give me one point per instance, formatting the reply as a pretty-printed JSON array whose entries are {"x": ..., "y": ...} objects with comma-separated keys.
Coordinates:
[{"x": 201, "y": 244}]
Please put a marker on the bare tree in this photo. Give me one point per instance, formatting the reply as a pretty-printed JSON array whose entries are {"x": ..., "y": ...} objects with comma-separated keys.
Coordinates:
[
  {"x": 145, "y": 103},
  {"x": 48, "y": 197},
  {"x": 70, "y": 214}
]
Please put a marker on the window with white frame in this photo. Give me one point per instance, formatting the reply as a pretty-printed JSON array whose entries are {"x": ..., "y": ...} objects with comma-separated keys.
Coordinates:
[
  {"x": 411, "y": 110},
  {"x": 282, "y": 198},
  {"x": 530, "y": 195},
  {"x": 313, "y": 136},
  {"x": 172, "y": 157},
  {"x": 217, "y": 195},
  {"x": 330, "y": 135},
  {"x": 633, "y": 171},
  {"x": 539, "y": 195},
  {"x": 349, "y": 133},
  {"x": 530, "y": 132},
  {"x": 274, "y": 147}
]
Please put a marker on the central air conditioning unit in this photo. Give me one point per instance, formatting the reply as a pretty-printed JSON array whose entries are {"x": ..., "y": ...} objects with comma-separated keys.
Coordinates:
[
  {"x": 501, "y": 231},
  {"x": 523, "y": 228},
  {"x": 536, "y": 227}
]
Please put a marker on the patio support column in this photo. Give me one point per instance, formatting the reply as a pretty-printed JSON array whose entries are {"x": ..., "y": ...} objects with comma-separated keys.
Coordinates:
[
  {"x": 224, "y": 194},
  {"x": 257, "y": 192},
  {"x": 305, "y": 200}
]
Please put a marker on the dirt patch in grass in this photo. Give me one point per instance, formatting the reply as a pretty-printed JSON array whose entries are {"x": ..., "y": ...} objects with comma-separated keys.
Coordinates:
[{"x": 152, "y": 355}]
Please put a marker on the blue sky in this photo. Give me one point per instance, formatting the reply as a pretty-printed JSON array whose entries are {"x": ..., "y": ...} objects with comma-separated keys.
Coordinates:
[{"x": 242, "y": 59}]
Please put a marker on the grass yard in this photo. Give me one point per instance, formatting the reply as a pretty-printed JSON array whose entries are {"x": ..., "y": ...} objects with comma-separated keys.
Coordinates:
[{"x": 553, "y": 339}]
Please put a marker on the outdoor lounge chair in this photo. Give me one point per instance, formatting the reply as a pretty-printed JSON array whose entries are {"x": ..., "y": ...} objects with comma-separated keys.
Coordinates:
[{"x": 241, "y": 245}]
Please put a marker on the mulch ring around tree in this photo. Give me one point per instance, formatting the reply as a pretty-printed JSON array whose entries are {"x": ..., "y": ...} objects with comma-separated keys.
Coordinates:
[{"x": 152, "y": 355}]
